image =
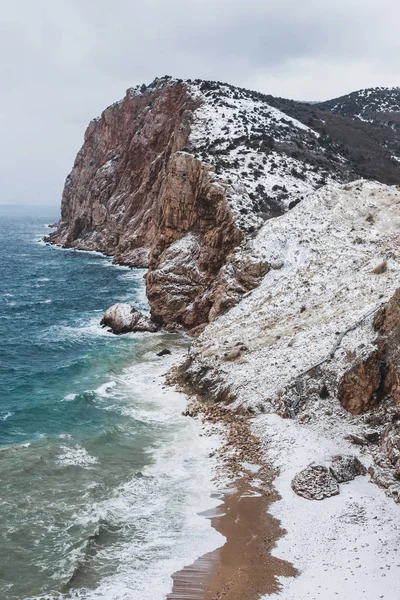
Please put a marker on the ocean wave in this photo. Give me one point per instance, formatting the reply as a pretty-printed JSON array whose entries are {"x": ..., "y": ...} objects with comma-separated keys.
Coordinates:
[
  {"x": 159, "y": 515},
  {"x": 75, "y": 456},
  {"x": 149, "y": 526},
  {"x": 6, "y": 416},
  {"x": 105, "y": 389},
  {"x": 14, "y": 447}
]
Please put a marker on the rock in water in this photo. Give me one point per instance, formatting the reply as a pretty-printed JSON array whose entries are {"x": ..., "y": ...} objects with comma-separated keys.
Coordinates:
[
  {"x": 124, "y": 318},
  {"x": 315, "y": 482},
  {"x": 346, "y": 468},
  {"x": 164, "y": 352}
]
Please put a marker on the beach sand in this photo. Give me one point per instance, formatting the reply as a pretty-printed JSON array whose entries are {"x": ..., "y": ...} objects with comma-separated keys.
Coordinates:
[{"x": 243, "y": 568}]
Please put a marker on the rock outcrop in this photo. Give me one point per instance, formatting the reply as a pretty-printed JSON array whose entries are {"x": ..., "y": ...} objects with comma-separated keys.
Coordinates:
[
  {"x": 358, "y": 388},
  {"x": 179, "y": 174},
  {"x": 124, "y": 318},
  {"x": 388, "y": 324}
]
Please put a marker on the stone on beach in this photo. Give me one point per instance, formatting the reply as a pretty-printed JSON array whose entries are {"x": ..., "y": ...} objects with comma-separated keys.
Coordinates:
[
  {"x": 346, "y": 468},
  {"x": 316, "y": 482}
]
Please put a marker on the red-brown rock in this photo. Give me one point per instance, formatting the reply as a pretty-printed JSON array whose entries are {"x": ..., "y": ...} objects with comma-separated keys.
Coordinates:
[
  {"x": 134, "y": 194},
  {"x": 359, "y": 385}
]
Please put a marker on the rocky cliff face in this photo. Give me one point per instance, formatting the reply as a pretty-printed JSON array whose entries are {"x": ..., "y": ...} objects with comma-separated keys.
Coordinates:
[
  {"x": 176, "y": 176},
  {"x": 133, "y": 194},
  {"x": 179, "y": 174}
]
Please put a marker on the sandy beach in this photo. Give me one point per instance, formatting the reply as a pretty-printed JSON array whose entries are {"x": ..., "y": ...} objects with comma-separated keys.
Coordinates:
[{"x": 244, "y": 567}]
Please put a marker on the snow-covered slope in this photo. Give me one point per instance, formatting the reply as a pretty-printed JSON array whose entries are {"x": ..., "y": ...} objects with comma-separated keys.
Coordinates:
[
  {"x": 321, "y": 282},
  {"x": 282, "y": 351},
  {"x": 366, "y": 104},
  {"x": 269, "y": 160}
]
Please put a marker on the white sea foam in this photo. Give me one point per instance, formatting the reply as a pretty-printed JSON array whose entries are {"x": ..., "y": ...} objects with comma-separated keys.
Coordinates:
[
  {"x": 70, "y": 397},
  {"x": 75, "y": 456},
  {"x": 158, "y": 511},
  {"x": 105, "y": 389},
  {"x": 6, "y": 416}
]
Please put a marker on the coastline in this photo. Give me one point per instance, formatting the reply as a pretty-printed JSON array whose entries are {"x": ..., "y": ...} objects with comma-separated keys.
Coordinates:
[
  {"x": 277, "y": 544},
  {"x": 244, "y": 567},
  {"x": 195, "y": 451},
  {"x": 344, "y": 545}
]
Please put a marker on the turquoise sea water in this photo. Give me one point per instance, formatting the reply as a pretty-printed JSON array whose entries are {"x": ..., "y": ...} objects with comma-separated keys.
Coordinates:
[{"x": 101, "y": 478}]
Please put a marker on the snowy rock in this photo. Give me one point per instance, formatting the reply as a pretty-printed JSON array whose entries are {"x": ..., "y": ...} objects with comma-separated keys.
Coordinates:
[
  {"x": 346, "y": 468},
  {"x": 316, "y": 482},
  {"x": 124, "y": 318}
]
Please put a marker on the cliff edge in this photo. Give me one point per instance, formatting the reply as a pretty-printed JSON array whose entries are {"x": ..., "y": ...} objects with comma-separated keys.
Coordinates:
[{"x": 177, "y": 175}]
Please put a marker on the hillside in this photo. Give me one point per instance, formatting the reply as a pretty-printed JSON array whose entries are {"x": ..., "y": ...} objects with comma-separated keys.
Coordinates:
[
  {"x": 374, "y": 105},
  {"x": 271, "y": 232}
]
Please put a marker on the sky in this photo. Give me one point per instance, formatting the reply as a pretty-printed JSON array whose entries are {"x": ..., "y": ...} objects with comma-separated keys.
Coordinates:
[{"x": 64, "y": 61}]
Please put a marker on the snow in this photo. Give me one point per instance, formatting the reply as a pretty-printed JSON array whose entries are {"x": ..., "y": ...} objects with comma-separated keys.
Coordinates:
[
  {"x": 322, "y": 254},
  {"x": 346, "y": 546},
  {"x": 373, "y": 100},
  {"x": 251, "y": 145}
]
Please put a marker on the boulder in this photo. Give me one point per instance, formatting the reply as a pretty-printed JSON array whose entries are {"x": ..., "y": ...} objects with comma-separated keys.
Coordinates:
[
  {"x": 124, "y": 318},
  {"x": 346, "y": 468},
  {"x": 316, "y": 482},
  {"x": 164, "y": 352}
]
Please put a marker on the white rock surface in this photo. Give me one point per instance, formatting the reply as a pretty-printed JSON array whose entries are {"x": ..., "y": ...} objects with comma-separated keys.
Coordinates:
[{"x": 124, "y": 318}]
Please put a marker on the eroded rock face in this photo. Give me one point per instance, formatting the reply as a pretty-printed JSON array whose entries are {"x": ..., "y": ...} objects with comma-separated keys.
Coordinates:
[
  {"x": 358, "y": 388},
  {"x": 391, "y": 330},
  {"x": 240, "y": 274},
  {"x": 316, "y": 482},
  {"x": 124, "y": 318},
  {"x": 133, "y": 194}
]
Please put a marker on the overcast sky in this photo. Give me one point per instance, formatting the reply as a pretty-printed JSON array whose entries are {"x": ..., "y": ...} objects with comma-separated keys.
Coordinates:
[{"x": 63, "y": 61}]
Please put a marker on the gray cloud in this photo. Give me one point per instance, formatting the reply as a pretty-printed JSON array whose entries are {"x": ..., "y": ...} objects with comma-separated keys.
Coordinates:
[{"x": 63, "y": 61}]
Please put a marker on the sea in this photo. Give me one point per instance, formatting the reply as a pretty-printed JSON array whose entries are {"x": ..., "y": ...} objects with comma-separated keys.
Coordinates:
[{"x": 102, "y": 480}]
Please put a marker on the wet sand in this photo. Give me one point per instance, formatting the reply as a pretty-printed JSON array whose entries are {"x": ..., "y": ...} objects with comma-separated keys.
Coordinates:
[{"x": 243, "y": 568}]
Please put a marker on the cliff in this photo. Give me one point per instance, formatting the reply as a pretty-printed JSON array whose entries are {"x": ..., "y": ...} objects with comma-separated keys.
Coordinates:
[
  {"x": 176, "y": 176},
  {"x": 250, "y": 215}
]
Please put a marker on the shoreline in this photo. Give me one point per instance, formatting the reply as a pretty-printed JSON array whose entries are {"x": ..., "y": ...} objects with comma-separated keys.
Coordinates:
[
  {"x": 343, "y": 546},
  {"x": 244, "y": 567}
]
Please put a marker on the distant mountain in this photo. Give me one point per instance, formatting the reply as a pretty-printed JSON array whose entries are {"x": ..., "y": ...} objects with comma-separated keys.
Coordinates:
[
  {"x": 374, "y": 105},
  {"x": 365, "y": 125}
]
